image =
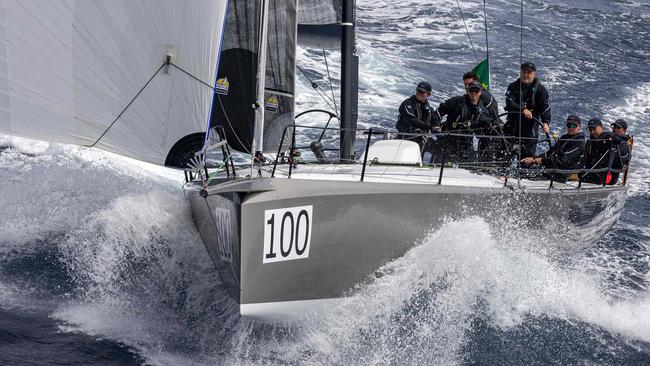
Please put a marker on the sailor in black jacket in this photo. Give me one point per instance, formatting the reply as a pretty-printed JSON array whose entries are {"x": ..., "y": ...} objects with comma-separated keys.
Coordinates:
[
  {"x": 566, "y": 153},
  {"x": 532, "y": 103},
  {"x": 599, "y": 149},
  {"x": 466, "y": 114},
  {"x": 415, "y": 113},
  {"x": 417, "y": 116},
  {"x": 624, "y": 142},
  {"x": 619, "y": 132},
  {"x": 486, "y": 98}
]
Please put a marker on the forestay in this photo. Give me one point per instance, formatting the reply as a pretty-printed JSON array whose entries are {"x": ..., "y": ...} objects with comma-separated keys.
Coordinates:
[{"x": 68, "y": 69}]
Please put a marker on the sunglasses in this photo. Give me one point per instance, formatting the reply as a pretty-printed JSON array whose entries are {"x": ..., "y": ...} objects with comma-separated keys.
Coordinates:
[
  {"x": 474, "y": 90},
  {"x": 572, "y": 125}
]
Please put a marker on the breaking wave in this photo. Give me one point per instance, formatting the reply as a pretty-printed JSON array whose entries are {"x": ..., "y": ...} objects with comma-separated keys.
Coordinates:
[
  {"x": 106, "y": 246},
  {"x": 148, "y": 283},
  {"x": 124, "y": 262}
]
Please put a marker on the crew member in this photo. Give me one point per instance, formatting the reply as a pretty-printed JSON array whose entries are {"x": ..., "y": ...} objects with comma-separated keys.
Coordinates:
[
  {"x": 624, "y": 141},
  {"x": 466, "y": 114},
  {"x": 486, "y": 97},
  {"x": 619, "y": 127},
  {"x": 490, "y": 149},
  {"x": 527, "y": 99},
  {"x": 619, "y": 133},
  {"x": 417, "y": 116},
  {"x": 597, "y": 155},
  {"x": 566, "y": 153}
]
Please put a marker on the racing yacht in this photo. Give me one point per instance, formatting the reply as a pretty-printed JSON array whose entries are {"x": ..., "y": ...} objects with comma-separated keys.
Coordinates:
[
  {"x": 303, "y": 222},
  {"x": 295, "y": 232}
]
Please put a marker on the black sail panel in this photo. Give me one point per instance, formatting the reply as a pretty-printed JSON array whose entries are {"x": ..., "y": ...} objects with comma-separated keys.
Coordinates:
[
  {"x": 280, "y": 71},
  {"x": 235, "y": 91},
  {"x": 319, "y": 24},
  {"x": 319, "y": 12},
  {"x": 236, "y": 88}
]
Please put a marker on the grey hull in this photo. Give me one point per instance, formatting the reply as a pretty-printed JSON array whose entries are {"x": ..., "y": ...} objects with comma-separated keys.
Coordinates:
[{"x": 360, "y": 226}]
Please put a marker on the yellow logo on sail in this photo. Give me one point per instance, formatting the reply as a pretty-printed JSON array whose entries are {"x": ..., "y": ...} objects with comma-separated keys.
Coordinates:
[
  {"x": 222, "y": 86},
  {"x": 271, "y": 103}
]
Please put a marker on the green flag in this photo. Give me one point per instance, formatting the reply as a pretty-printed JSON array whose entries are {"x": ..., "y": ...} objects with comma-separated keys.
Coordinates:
[{"x": 483, "y": 72}]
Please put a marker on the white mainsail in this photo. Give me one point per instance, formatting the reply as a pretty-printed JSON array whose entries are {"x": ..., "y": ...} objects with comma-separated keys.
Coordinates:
[{"x": 68, "y": 69}]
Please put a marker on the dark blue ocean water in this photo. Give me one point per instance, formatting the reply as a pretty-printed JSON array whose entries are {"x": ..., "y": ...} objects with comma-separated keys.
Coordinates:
[{"x": 100, "y": 262}]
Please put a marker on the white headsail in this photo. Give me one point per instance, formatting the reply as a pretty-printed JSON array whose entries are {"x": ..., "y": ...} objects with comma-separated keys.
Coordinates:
[{"x": 75, "y": 71}]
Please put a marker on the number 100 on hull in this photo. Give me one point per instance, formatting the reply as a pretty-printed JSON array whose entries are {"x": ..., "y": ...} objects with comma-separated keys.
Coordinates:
[{"x": 287, "y": 233}]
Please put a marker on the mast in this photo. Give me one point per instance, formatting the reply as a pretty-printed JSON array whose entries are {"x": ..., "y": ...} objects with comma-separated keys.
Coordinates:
[
  {"x": 349, "y": 82},
  {"x": 258, "y": 134}
]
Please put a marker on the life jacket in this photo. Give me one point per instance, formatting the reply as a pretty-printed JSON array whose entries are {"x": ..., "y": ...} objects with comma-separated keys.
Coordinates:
[{"x": 466, "y": 120}]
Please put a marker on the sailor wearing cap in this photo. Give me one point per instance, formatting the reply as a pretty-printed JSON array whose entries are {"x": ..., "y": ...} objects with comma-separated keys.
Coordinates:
[
  {"x": 465, "y": 111},
  {"x": 566, "y": 153},
  {"x": 619, "y": 127},
  {"x": 619, "y": 133},
  {"x": 465, "y": 114},
  {"x": 486, "y": 98},
  {"x": 416, "y": 115},
  {"x": 598, "y": 153},
  {"x": 528, "y": 98}
]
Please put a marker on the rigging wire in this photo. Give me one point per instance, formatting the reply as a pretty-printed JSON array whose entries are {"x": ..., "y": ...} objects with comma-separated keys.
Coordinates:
[
  {"x": 129, "y": 104},
  {"x": 316, "y": 87},
  {"x": 521, "y": 96},
  {"x": 487, "y": 44},
  {"x": 467, "y": 30},
  {"x": 521, "y": 35},
  {"x": 329, "y": 78},
  {"x": 147, "y": 84},
  {"x": 193, "y": 76},
  {"x": 220, "y": 103},
  {"x": 231, "y": 126}
]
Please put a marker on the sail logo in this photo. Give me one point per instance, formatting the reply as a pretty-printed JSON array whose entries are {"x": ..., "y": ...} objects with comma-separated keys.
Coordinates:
[
  {"x": 222, "y": 86},
  {"x": 272, "y": 103},
  {"x": 222, "y": 223}
]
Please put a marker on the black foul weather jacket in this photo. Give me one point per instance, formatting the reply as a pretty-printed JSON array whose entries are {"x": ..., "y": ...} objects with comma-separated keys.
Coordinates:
[
  {"x": 535, "y": 99},
  {"x": 415, "y": 116},
  {"x": 490, "y": 104},
  {"x": 597, "y": 155},
  {"x": 463, "y": 115},
  {"x": 622, "y": 141},
  {"x": 598, "y": 149},
  {"x": 566, "y": 153}
]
